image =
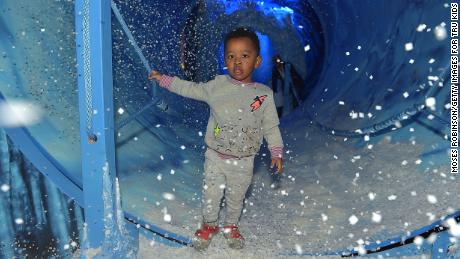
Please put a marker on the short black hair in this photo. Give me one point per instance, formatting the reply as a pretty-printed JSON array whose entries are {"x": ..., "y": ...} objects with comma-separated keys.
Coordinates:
[{"x": 243, "y": 32}]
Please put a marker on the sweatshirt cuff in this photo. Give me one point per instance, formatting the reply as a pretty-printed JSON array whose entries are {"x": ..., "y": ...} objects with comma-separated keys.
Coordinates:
[
  {"x": 276, "y": 152},
  {"x": 166, "y": 81}
]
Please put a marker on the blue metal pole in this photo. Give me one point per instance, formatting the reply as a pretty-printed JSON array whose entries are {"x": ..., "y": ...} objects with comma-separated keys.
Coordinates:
[
  {"x": 94, "y": 59},
  {"x": 440, "y": 246}
]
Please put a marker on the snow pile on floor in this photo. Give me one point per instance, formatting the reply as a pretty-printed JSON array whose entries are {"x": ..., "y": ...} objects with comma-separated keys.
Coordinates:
[{"x": 335, "y": 195}]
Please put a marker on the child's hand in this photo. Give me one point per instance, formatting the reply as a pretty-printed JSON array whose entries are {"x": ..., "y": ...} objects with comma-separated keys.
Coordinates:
[
  {"x": 155, "y": 75},
  {"x": 279, "y": 164}
]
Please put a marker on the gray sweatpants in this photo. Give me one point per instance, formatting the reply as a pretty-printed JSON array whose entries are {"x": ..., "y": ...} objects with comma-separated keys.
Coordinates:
[{"x": 232, "y": 175}]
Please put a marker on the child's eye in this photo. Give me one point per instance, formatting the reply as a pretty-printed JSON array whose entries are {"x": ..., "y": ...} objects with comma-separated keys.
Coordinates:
[{"x": 230, "y": 56}]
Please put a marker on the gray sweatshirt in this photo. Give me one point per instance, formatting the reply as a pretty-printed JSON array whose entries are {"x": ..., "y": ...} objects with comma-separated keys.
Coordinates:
[{"x": 241, "y": 114}]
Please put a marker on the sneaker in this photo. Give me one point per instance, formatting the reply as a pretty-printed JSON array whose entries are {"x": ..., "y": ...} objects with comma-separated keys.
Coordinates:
[
  {"x": 234, "y": 238},
  {"x": 203, "y": 236}
]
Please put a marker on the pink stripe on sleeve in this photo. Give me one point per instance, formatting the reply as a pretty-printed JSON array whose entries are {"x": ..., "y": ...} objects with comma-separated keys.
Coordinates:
[
  {"x": 276, "y": 152},
  {"x": 166, "y": 81}
]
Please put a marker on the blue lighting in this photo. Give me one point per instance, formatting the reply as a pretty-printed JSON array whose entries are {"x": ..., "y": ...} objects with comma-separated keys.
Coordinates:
[
  {"x": 267, "y": 51},
  {"x": 283, "y": 10},
  {"x": 279, "y": 12},
  {"x": 230, "y": 6},
  {"x": 267, "y": 7}
]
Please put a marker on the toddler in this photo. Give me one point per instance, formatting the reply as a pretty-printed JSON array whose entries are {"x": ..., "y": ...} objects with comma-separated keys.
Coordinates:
[{"x": 242, "y": 113}]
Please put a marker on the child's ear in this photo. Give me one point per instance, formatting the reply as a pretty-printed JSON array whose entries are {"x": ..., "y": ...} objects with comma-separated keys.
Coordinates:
[{"x": 258, "y": 61}]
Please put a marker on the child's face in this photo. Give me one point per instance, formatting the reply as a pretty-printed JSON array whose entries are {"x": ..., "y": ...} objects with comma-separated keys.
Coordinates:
[{"x": 241, "y": 59}]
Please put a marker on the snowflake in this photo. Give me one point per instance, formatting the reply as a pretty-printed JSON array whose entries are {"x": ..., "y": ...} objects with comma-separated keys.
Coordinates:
[
  {"x": 408, "y": 46},
  {"x": 440, "y": 32},
  {"x": 298, "y": 249},
  {"x": 168, "y": 196},
  {"x": 353, "y": 219},
  {"x": 454, "y": 227},
  {"x": 361, "y": 250},
  {"x": 5, "y": 187},
  {"x": 430, "y": 102},
  {"x": 418, "y": 240},
  {"x": 421, "y": 27},
  {"x": 392, "y": 197},
  {"x": 167, "y": 217},
  {"x": 372, "y": 196},
  {"x": 353, "y": 115},
  {"x": 376, "y": 217},
  {"x": 431, "y": 199}
]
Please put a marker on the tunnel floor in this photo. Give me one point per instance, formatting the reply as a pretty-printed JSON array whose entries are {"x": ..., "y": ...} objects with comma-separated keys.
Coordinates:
[{"x": 335, "y": 193}]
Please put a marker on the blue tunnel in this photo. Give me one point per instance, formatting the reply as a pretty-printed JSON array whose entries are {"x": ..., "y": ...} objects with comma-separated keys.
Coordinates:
[{"x": 97, "y": 159}]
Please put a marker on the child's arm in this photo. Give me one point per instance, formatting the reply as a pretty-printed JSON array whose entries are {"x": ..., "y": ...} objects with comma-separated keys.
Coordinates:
[
  {"x": 272, "y": 133},
  {"x": 181, "y": 87}
]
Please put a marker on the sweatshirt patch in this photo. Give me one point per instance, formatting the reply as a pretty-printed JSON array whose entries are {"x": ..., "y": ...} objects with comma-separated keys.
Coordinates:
[
  {"x": 257, "y": 102},
  {"x": 216, "y": 131}
]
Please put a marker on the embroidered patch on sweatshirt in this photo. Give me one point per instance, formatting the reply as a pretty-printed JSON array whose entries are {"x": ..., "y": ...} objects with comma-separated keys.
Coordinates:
[
  {"x": 257, "y": 102},
  {"x": 216, "y": 130}
]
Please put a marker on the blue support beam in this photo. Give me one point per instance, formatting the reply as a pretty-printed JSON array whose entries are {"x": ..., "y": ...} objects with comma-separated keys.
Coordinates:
[
  {"x": 159, "y": 234},
  {"x": 440, "y": 246},
  {"x": 94, "y": 59},
  {"x": 395, "y": 242}
]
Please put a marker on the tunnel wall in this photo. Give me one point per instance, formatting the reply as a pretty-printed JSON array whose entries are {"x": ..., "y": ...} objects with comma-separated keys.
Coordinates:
[{"x": 366, "y": 64}]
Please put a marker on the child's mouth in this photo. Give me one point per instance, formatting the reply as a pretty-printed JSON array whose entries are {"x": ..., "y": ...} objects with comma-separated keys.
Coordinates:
[{"x": 238, "y": 71}]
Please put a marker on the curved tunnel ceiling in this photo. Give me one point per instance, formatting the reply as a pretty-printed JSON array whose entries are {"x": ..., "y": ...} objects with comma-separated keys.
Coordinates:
[{"x": 366, "y": 62}]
